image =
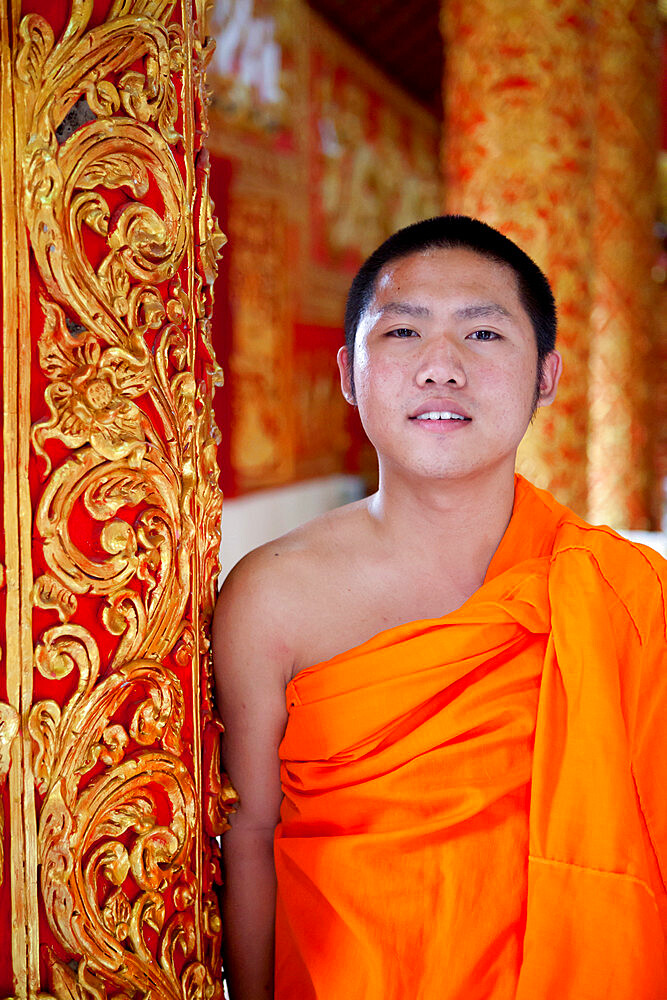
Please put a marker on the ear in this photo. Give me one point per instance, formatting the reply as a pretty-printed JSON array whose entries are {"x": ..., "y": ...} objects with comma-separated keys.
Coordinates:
[
  {"x": 345, "y": 375},
  {"x": 551, "y": 372}
]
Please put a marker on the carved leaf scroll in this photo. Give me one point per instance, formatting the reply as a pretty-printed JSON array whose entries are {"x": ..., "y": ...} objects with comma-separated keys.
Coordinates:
[{"x": 117, "y": 210}]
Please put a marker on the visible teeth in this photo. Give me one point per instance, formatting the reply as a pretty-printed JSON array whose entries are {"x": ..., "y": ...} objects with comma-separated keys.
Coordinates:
[{"x": 440, "y": 415}]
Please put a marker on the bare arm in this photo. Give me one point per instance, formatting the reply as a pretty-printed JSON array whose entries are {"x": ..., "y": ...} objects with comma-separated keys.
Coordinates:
[{"x": 252, "y": 667}]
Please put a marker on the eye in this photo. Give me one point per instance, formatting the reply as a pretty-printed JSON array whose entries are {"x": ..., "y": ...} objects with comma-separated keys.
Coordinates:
[
  {"x": 402, "y": 332},
  {"x": 483, "y": 335}
]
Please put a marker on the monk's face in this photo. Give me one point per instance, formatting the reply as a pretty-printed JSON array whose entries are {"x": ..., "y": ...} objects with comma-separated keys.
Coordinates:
[{"x": 445, "y": 365}]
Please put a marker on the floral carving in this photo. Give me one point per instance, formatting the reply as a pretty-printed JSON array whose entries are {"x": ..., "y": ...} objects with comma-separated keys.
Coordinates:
[
  {"x": 115, "y": 201},
  {"x": 91, "y": 395}
]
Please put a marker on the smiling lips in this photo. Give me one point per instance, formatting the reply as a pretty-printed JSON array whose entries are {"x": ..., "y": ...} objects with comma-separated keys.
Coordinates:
[
  {"x": 438, "y": 411},
  {"x": 440, "y": 415}
]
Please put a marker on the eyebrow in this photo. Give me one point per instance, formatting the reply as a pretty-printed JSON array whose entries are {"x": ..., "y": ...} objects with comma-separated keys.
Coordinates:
[
  {"x": 475, "y": 310},
  {"x": 405, "y": 309},
  {"x": 478, "y": 310}
]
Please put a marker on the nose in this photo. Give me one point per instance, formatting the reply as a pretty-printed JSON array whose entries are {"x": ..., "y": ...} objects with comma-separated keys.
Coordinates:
[{"x": 441, "y": 364}]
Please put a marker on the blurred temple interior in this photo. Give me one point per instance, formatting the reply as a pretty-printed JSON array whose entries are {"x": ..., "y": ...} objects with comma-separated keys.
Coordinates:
[{"x": 332, "y": 124}]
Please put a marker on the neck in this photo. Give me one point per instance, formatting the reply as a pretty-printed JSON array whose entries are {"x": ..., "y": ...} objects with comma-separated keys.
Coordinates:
[{"x": 447, "y": 527}]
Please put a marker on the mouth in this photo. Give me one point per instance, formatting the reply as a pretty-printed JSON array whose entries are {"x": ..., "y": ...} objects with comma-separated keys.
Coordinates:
[{"x": 432, "y": 415}]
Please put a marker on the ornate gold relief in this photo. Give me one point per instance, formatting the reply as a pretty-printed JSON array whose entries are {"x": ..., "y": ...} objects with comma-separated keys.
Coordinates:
[{"x": 114, "y": 186}]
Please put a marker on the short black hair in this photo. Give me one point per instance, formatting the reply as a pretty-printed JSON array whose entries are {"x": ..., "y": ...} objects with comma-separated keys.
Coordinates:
[{"x": 449, "y": 232}]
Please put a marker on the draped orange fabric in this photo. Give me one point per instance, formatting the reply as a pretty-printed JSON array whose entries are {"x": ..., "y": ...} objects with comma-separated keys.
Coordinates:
[{"x": 474, "y": 806}]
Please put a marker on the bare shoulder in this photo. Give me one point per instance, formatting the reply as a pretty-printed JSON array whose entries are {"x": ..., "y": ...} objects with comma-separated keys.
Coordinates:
[{"x": 265, "y": 598}]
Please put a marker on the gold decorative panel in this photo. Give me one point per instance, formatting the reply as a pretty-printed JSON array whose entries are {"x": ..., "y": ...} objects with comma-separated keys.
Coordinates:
[
  {"x": 551, "y": 134},
  {"x": 626, "y": 314},
  {"x": 108, "y": 735},
  {"x": 261, "y": 432}
]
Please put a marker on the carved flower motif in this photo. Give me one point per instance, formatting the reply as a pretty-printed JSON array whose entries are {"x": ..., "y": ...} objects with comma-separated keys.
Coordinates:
[
  {"x": 93, "y": 407},
  {"x": 91, "y": 402}
]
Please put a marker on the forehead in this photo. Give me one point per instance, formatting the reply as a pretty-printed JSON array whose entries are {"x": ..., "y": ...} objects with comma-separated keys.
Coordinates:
[{"x": 451, "y": 271}]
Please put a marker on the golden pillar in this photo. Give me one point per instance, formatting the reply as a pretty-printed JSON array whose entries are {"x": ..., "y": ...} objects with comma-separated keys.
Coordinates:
[
  {"x": 625, "y": 313},
  {"x": 518, "y": 153},
  {"x": 110, "y": 792}
]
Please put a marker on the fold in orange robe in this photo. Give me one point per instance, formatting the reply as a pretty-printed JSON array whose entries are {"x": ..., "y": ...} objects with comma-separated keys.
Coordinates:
[{"x": 475, "y": 806}]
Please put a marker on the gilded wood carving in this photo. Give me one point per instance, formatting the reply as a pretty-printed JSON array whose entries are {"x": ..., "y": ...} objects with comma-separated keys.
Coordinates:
[{"x": 112, "y": 178}]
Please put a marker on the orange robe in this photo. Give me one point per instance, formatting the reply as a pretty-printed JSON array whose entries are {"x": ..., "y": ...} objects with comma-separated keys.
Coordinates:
[{"x": 475, "y": 806}]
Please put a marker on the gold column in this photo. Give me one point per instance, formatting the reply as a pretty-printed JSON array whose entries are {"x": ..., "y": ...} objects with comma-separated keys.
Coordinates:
[
  {"x": 625, "y": 311},
  {"x": 518, "y": 154},
  {"x": 110, "y": 791},
  {"x": 19, "y": 835}
]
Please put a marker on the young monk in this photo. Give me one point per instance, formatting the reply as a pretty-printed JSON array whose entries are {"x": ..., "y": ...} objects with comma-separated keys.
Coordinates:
[{"x": 444, "y": 703}]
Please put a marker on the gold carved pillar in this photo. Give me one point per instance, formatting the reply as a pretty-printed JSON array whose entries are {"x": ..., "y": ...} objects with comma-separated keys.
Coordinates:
[
  {"x": 109, "y": 768},
  {"x": 518, "y": 154},
  {"x": 625, "y": 318}
]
